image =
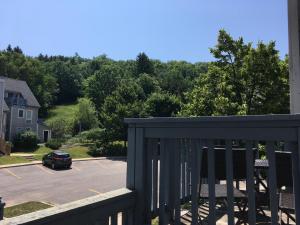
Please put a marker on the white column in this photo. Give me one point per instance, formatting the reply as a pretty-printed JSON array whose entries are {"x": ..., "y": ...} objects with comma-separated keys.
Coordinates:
[
  {"x": 294, "y": 55},
  {"x": 1, "y": 106}
]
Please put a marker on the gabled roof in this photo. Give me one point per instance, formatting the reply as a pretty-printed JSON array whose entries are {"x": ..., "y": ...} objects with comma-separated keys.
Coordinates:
[{"x": 20, "y": 86}]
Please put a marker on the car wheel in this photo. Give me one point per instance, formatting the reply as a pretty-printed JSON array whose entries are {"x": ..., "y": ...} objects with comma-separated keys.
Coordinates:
[{"x": 53, "y": 166}]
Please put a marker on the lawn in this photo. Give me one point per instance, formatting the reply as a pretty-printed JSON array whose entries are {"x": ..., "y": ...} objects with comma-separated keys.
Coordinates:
[
  {"x": 4, "y": 160},
  {"x": 66, "y": 112},
  {"x": 77, "y": 151},
  {"x": 24, "y": 208}
]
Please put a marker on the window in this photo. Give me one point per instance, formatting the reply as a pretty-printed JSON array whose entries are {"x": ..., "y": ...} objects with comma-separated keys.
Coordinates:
[
  {"x": 28, "y": 129},
  {"x": 29, "y": 116},
  {"x": 20, "y": 113}
]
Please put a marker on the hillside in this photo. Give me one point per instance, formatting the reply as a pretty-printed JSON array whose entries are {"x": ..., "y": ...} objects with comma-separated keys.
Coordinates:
[{"x": 64, "y": 112}]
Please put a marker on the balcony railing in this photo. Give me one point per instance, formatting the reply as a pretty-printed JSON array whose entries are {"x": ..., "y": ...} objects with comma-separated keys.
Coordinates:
[
  {"x": 165, "y": 167},
  {"x": 164, "y": 163},
  {"x": 114, "y": 208},
  {"x": 16, "y": 101}
]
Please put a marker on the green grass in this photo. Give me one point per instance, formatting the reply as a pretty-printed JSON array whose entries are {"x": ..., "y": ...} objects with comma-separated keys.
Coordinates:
[
  {"x": 24, "y": 208},
  {"x": 66, "y": 112},
  {"x": 5, "y": 160},
  {"x": 78, "y": 151}
]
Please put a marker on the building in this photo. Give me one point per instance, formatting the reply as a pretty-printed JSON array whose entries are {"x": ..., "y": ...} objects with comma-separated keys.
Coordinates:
[{"x": 19, "y": 110}]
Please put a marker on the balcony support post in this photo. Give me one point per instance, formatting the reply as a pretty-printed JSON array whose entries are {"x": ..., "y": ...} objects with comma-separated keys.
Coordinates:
[
  {"x": 136, "y": 172},
  {"x": 294, "y": 54}
]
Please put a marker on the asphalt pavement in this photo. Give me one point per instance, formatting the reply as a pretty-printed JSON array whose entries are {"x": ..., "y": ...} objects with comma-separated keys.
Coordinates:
[{"x": 39, "y": 183}]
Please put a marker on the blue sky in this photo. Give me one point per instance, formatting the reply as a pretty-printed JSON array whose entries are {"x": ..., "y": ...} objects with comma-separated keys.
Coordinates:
[{"x": 164, "y": 29}]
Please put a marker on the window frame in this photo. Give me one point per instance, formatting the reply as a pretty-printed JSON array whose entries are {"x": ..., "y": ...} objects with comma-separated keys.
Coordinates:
[
  {"x": 19, "y": 110},
  {"x": 29, "y": 121}
]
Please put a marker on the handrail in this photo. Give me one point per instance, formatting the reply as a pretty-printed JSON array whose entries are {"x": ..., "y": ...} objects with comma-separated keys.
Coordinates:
[{"x": 89, "y": 211}]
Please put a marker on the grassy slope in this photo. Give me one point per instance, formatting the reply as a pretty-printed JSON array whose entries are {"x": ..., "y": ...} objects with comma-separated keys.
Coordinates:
[{"x": 66, "y": 112}]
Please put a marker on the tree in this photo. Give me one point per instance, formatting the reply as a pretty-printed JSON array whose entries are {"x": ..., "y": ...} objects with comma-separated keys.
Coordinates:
[
  {"x": 143, "y": 64},
  {"x": 102, "y": 84},
  {"x": 161, "y": 105},
  {"x": 125, "y": 101},
  {"x": 86, "y": 116},
  {"x": 242, "y": 80},
  {"x": 148, "y": 83}
]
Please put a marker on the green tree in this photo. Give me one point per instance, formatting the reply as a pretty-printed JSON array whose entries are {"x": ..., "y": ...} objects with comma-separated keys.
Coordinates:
[
  {"x": 125, "y": 101},
  {"x": 102, "y": 84},
  {"x": 86, "y": 116},
  {"x": 148, "y": 83},
  {"x": 242, "y": 80},
  {"x": 143, "y": 64},
  {"x": 161, "y": 105}
]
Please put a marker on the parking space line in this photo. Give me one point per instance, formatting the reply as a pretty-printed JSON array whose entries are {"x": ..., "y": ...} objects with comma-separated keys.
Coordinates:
[
  {"x": 43, "y": 169},
  {"x": 93, "y": 190},
  {"x": 76, "y": 168},
  {"x": 13, "y": 174},
  {"x": 100, "y": 164}
]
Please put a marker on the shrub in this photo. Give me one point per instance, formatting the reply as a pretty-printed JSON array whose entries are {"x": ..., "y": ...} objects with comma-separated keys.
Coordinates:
[
  {"x": 27, "y": 140},
  {"x": 95, "y": 134},
  {"x": 112, "y": 149},
  {"x": 54, "y": 144}
]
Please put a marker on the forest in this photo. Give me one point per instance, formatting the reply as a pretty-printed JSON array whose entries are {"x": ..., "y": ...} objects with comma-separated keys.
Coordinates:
[{"x": 243, "y": 79}]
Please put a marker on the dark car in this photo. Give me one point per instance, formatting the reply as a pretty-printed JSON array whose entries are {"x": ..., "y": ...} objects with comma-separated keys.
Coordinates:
[{"x": 57, "y": 159}]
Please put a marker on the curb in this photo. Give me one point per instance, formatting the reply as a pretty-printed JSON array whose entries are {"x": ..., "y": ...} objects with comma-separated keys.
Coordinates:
[{"x": 73, "y": 160}]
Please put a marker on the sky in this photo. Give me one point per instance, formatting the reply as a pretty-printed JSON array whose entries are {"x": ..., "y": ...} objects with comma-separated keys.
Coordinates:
[{"x": 163, "y": 29}]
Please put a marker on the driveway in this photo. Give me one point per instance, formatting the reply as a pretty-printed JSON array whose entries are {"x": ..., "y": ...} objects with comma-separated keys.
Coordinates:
[{"x": 39, "y": 183}]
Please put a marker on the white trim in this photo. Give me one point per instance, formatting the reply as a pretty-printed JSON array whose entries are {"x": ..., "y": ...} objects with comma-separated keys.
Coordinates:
[
  {"x": 20, "y": 109},
  {"x": 31, "y": 112}
]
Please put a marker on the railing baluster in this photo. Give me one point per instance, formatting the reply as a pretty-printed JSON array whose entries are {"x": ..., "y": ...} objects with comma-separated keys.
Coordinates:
[
  {"x": 177, "y": 181},
  {"x": 211, "y": 183},
  {"x": 229, "y": 182},
  {"x": 155, "y": 178},
  {"x": 295, "y": 148},
  {"x": 182, "y": 160},
  {"x": 196, "y": 165},
  {"x": 188, "y": 170},
  {"x": 270, "y": 149},
  {"x": 150, "y": 148},
  {"x": 250, "y": 184},
  {"x": 114, "y": 219},
  {"x": 162, "y": 183}
]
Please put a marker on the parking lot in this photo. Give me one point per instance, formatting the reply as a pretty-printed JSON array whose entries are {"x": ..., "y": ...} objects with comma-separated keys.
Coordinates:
[{"x": 39, "y": 183}]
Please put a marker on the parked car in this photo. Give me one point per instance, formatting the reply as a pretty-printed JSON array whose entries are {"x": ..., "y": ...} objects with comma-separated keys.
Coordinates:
[{"x": 57, "y": 159}]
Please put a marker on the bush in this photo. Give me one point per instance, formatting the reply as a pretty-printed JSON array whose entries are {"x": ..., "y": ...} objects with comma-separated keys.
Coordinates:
[
  {"x": 112, "y": 149},
  {"x": 53, "y": 144},
  {"x": 27, "y": 140},
  {"x": 95, "y": 134}
]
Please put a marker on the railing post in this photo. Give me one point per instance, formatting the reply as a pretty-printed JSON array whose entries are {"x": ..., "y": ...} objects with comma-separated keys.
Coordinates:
[
  {"x": 2, "y": 204},
  {"x": 295, "y": 149},
  {"x": 136, "y": 172}
]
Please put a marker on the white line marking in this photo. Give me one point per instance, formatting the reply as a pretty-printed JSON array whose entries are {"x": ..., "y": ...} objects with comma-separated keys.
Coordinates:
[
  {"x": 93, "y": 190},
  {"x": 43, "y": 169},
  {"x": 76, "y": 168},
  {"x": 13, "y": 174}
]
